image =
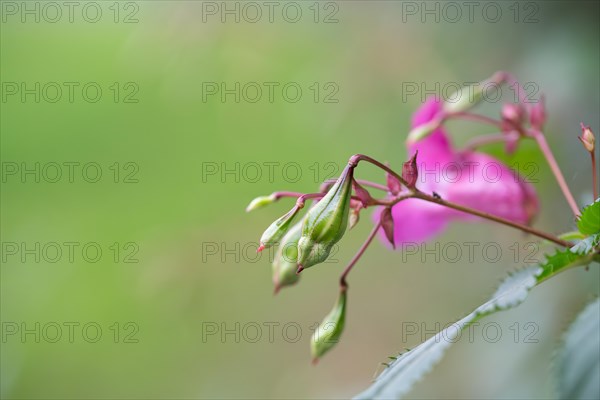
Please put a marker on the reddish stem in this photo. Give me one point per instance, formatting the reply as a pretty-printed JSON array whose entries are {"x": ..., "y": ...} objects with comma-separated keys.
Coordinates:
[
  {"x": 279, "y": 195},
  {"x": 524, "y": 228},
  {"x": 363, "y": 182},
  {"x": 479, "y": 141},
  {"x": 355, "y": 159},
  {"x": 357, "y": 256},
  {"x": 594, "y": 175},
  {"x": 543, "y": 144},
  {"x": 476, "y": 117}
]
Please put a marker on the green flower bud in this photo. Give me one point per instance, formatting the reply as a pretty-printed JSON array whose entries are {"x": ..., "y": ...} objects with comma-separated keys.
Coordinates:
[
  {"x": 260, "y": 202},
  {"x": 286, "y": 257},
  {"x": 326, "y": 222},
  {"x": 277, "y": 229},
  {"x": 469, "y": 96},
  {"x": 423, "y": 130},
  {"x": 329, "y": 331}
]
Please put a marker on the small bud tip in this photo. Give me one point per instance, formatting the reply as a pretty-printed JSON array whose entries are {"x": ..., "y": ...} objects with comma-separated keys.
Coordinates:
[
  {"x": 587, "y": 138},
  {"x": 300, "y": 269},
  {"x": 277, "y": 289},
  {"x": 315, "y": 361},
  {"x": 260, "y": 248}
]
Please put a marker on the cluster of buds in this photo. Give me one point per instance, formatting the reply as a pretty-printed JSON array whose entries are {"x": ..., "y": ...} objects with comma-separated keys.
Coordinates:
[{"x": 307, "y": 242}]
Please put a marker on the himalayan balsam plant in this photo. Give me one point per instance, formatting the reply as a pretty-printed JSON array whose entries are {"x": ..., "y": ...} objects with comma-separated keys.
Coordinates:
[{"x": 415, "y": 207}]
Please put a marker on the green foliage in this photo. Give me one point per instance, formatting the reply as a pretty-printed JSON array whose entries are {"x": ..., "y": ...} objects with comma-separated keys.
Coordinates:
[
  {"x": 409, "y": 367},
  {"x": 589, "y": 222},
  {"x": 579, "y": 361},
  {"x": 565, "y": 259}
]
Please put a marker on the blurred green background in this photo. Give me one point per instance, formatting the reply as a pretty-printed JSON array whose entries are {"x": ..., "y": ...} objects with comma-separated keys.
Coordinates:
[{"x": 156, "y": 135}]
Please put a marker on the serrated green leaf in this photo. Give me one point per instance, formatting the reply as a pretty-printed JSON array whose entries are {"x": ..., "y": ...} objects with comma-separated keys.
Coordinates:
[
  {"x": 589, "y": 222},
  {"x": 588, "y": 245},
  {"x": 396, "y": 380},
  {"x": 409, "y": 367},
  {"x": 565, "y": 259},
  {"x": 579, "y": 361}
]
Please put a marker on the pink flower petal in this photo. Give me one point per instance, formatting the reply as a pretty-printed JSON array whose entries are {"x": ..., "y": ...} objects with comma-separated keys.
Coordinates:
[
  {"x": 475, "y": 180},
  {"x": 435, "y": 148},
  {"x": 490, "y": 186}
]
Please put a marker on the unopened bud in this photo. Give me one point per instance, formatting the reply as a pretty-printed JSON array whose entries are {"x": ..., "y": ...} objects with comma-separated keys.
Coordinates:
[
  {"x": 387, "y": 224},
  {"x": 326, "y": 222},
  {"x": 363, "y": 194},
  {"x": 537, "y": 114},
  {"x": 277, "y": 229},
  {"x": 469, "y": 96},
  {"x": 410, "y": 172},
  {"x": 587, "y": 138},
  {"x": 330, "y": 329},
  {"x": 260, "y": 202},
  {"x": 354, "y": 217},
  {"x": 393, "y": 184},
  {"x": 513, "y": 114},
  {"x": 286, "y": 257}
]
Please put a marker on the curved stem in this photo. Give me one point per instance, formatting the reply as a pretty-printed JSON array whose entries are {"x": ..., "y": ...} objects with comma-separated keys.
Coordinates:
[
  {"x": 355, "y": 159},
  {"x": 476, "y": 117},
  {"x": 343, "y": 283},
  {"x": 479, "y": 141},
  {"x": 279, "y": 195},
  {"x": 543, "y": 144},
  {"x": 363, "y": 182},
  {"x": 304, "y": 197},
  {"x": 524, "y": 228},
  {"x": 415, "y": 193}
]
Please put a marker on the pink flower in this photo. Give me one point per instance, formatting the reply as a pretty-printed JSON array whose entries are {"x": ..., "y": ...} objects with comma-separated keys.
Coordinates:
[{"x": 468, "y": 178}]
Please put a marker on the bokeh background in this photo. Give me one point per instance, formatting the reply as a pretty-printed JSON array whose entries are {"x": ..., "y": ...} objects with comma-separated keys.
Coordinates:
[{"x": 168, "y": 205}]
